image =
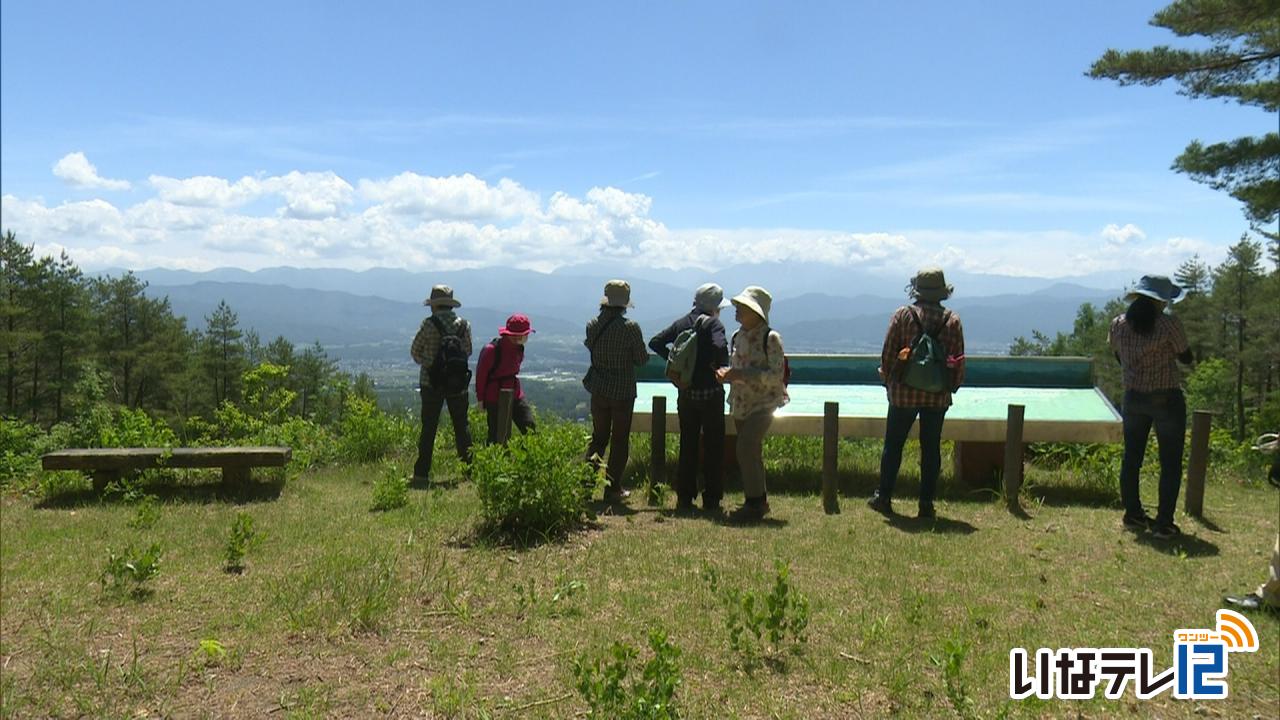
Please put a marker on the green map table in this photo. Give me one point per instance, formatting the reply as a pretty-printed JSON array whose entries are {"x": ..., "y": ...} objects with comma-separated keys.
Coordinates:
[
  {"x": 1058, "y": 400},
  {"x": 977, "y": 414}
]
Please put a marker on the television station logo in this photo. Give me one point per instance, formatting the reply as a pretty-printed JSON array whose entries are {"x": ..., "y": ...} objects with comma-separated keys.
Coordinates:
[{"x": 1199, "y": 669}]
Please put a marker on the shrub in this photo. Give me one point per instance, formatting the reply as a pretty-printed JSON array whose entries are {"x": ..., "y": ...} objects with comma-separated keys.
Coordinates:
[
  {"x": 20, "y": 458},
  {"x": 129, "y": 571},
  {"x": 650, "y": 695},
  {"x": 536, "y": 486},
  {"x": 751, "y": 618},
  {"x": 367, "y": 433},
  {"x": 390, "y": 489},
  {"x": 243, "y": 538}
]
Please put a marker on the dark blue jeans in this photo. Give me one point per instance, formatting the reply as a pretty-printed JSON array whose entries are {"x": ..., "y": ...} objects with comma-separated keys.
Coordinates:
[
  {"x": 1167, "y": 410},
  {"x": 897, "y": 426}
]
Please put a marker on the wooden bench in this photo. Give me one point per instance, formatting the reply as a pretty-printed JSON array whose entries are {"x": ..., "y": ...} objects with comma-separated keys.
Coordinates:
[{"x": 108, "y": 464}]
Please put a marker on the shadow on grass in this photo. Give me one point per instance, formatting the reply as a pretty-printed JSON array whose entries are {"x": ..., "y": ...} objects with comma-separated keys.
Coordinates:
[
  {"x": 202, "y": 493},
  {"x": 1208, "y": 524},
  {"x": 1184, "y": 545},
  {"x": 939, "y": 525}
]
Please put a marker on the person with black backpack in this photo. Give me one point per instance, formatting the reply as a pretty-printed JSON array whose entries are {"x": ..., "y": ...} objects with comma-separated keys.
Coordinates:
[
  {"x": 443, "y": 348},
  {"x": 697, "y": 349},
  {"x": 498, "y": 368},
  {"x": 921, "y": 365}
]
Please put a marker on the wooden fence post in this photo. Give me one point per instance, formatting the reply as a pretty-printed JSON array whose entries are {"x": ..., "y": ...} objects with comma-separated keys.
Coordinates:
[
  {"x": 830, "y": 455},
  {"x": 1013, "y": 455},
  {"x": 1198, "y": 463},
  {"x": 658, "y": 442},
  {"x": 506, "y": 397}
]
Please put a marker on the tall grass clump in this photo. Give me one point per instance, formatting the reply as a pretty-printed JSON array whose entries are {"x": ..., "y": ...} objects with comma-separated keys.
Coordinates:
[{"x": 536, "y": 486}]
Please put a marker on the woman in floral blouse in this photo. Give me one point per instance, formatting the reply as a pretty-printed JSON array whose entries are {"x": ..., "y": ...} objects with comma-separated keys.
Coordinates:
[{"x": 757, "y": 388}]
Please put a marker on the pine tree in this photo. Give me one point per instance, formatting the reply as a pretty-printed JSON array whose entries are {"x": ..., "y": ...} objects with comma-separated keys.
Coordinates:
[{"x": 1242, "y": 63}]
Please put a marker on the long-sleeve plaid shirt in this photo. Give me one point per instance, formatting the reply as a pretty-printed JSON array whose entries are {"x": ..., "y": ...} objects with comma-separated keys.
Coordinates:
[
  {"x": 903, "y": 331},
  {"x": 427, "y": 342},
  {"x": 1149, "y": 361},
  {"x": 615, "y": 355}
]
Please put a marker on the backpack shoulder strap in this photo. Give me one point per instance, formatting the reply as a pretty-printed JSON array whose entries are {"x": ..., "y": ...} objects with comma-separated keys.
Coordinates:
[
  {"x": 439, "y": 324},
  {"x": 600, "y": 332}
]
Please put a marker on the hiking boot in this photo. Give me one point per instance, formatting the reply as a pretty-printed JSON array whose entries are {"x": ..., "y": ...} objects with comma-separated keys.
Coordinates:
[
  {"x": 1166, "y": 531},
  {"x": 1138, "y": 522},
  {"x": 926, "y": 512},
  {"x": 880, "y": 504}
]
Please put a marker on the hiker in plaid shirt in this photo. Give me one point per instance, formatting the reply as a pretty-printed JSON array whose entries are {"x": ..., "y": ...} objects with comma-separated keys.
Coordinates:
[
  {"x": 617, "y": 349},
  {"x": 1148, "y": 342},
  {"x": 928, "y": 288},
  {"x": 423, "y": 350}
]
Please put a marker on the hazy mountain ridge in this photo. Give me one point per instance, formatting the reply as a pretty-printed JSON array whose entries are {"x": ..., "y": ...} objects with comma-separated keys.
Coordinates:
[{"x": 377, "y": 328}]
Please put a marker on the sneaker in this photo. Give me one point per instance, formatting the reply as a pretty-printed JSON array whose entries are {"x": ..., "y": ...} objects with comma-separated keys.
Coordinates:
[
  {"x": 1166, "y": 531},
  {"x": 616, "y": 494},
  {"x": 880, "y": 504},
  {"x": 1138, "y": 522},
  {"x": 1253, "y": 601},
  {"x": 926, "y": 512}
]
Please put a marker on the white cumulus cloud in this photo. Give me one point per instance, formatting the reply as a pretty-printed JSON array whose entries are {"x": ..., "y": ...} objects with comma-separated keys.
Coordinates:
[
  {"x": 1117, "y": 235},
  {"x": 77, "y": 171}
]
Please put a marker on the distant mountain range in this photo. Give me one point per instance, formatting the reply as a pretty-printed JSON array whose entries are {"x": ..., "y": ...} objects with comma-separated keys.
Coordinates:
[{"x": 372, "y": 315}]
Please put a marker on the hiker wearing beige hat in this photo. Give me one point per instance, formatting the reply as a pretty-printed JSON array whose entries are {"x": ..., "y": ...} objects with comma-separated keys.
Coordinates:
[
  {"x": 757, "y": 387},
  {"x": 921, "y": 365},
  {"x": 442, "y": 348},
  {"x": 617, "y": 349},
  {"x": 1149, "y": 342}
]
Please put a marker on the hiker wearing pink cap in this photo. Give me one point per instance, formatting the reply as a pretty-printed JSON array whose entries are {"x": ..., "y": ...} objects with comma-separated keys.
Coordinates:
[{"x": 498, "y": 369}]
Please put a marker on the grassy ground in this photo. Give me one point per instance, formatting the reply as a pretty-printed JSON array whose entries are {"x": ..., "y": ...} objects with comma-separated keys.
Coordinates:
[{"x": 351, "y": 613}]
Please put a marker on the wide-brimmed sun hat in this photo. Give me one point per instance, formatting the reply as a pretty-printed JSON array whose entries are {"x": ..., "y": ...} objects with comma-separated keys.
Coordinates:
[
  {"x": 517, "y": 324},
  {"x": 930, "y": 284},
  {"x": 617, "y": 293},
  {"x": 757, "y": 300},
  {"x": 1156, "y": 287},
  {"x": 709, "y": 298},
  {"x": 441, "y": 296}
]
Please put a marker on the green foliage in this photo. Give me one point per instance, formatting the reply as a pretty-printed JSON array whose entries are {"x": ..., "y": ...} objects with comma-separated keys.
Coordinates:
[
  {"x": 1096, "y": 464},
  {"x": 242, "y": 539},
  {"x": 1210, "y": 386},
  {"x": 129, "y": 571},
  {"x": 367, "y": 433},
  {"x": 603, "y": 683},
  {"x": 390, "y": 489},
  {"x": 1240, "y": 62},
  {"x": 20, "y": 458},
  {"x": 951, "y": 661},
  {"x": 536, "y": 486},
  {"x": 555, "y": 603},
  {"x": 146, "y": 513},
  {"x": 752, "y": 618}
]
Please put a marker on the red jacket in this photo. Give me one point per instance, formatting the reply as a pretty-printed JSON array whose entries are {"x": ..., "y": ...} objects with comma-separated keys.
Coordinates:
[{"x": 491, "y": 379}]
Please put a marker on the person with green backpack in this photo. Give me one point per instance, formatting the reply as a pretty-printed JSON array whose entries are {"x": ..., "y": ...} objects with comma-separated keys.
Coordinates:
[
  {"x": 921, "y": 365},
  {"x": 694, "y": 347}
]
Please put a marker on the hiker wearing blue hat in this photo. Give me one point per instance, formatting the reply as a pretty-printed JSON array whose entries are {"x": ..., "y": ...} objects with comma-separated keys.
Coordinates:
[{"x": 1149, "y": 342}]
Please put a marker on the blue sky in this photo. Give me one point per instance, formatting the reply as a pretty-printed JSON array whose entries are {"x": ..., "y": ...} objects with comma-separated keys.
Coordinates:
[{"x": 666, "y": 134}]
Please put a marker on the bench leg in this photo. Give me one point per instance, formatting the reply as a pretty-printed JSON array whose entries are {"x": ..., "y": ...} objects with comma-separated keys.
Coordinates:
[
  {"x": 102, "y": 478},
  {"x": 235, "y": 477}
]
